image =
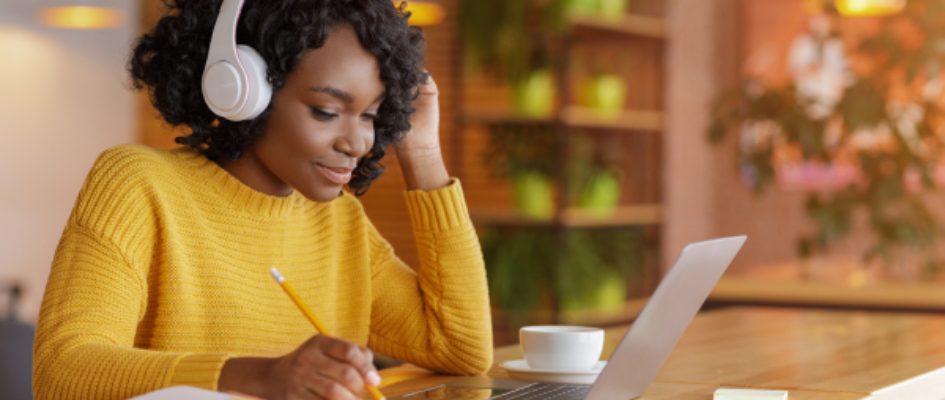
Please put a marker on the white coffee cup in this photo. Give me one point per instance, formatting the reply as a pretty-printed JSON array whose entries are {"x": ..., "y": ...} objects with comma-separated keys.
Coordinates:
[{"x": 561, "y": 347}]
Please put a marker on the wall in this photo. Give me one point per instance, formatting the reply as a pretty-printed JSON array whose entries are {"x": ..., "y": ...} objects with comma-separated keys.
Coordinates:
[
  {"x": 63, "y": 99},
  {"x": 704, "y": 195},
  {"x": 775, "y": 220}
]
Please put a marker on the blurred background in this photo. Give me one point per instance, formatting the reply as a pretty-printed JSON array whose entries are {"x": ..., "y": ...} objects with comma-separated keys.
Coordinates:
[{"x": 594, "y": 138}]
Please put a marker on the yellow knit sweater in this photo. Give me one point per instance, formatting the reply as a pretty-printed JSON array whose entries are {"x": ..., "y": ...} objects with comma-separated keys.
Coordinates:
[{"x": 162, "y": 273}]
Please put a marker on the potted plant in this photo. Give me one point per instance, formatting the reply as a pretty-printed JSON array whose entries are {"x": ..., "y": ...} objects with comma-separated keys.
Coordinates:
[
  {"x": 605, "y": 94},
  {"x": 597, "y": 271},
  {"x": 535, "y": 94},
  {"x": 522, "y": 154},
  {"x": 874, "y": 134},
  {"x": 594, "y": 180},
  {"x": 513, "y": 41}
]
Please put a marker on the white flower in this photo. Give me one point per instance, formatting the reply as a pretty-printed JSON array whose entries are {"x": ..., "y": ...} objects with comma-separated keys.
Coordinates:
[
  {"x": 820, "y": 69},
  {"x": 758, "y": 134},
  {"x": 872, "y": 137},
  {"x": 907, "y": 116},
  {"x": 932, "y": 89}
]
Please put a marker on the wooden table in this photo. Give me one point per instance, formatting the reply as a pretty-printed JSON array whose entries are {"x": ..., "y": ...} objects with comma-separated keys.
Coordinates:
[{"x": 815, "y": 354}]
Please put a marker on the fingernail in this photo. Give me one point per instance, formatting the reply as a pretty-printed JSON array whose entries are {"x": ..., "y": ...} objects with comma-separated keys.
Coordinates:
[{"x": 374, "y": 378}]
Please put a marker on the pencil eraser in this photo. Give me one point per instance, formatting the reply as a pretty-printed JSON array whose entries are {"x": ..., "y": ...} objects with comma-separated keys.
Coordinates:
[{"x": 749, "y": 394}]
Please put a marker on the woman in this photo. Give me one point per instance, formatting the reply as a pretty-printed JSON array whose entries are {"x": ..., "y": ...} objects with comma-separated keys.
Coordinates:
[{"x": 161, "y": 276}]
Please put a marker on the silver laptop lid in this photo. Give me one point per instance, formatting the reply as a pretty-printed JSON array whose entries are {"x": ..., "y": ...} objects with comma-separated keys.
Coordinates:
[{"x": 680, "y": 295}]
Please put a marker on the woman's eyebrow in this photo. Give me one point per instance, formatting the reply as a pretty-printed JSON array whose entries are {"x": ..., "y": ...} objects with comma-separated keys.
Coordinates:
[
  {"x": 340, "y": 94},
  {"x": 334, "y": 92}
]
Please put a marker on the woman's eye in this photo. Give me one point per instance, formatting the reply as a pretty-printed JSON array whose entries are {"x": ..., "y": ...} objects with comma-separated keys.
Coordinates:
[
  {"x": 322, "y": 115},
  {"x": 369, "y": 117}
]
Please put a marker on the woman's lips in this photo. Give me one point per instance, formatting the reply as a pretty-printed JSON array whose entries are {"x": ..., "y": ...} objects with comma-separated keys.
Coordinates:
[{"x": 339, "y": 175}]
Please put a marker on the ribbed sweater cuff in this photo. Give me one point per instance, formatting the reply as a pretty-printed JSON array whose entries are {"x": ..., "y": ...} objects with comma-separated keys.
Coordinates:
[
  {"x": 199, "y": 370},
  {"x": 440, "y": 209}
]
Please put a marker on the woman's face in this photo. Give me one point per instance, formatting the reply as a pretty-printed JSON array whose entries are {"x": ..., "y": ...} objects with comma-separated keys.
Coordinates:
[{"x": 322, "y": 122}]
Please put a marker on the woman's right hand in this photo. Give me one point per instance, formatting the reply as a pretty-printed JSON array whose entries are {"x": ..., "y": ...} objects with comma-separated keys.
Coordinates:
[{"x": 321, "y": 368}]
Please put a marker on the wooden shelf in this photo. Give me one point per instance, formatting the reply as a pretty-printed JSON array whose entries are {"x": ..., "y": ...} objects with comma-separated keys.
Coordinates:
[
  {"x": 637, "y": 120},
  {"x": 577, "y": 117},
  {"x": 630, "y": 24},
  {"x": 642, "y": 214},
  {"x": 497, "y": 117}
]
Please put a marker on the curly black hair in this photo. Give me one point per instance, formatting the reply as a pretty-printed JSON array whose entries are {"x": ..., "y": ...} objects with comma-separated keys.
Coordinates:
[{"x": 169, "y": 62}]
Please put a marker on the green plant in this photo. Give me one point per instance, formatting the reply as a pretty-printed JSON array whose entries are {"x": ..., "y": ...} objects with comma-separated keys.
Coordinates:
[
  {"x": 571, "y": 270},
  {"x": 605, "y": 94},
  {"x": 883, "y": 121},
  {"x": 519, "y": 148},
  {"x": 597, "y": 267},
  {"x": 534, "y": 194},
  {"x": 510, "y": 39},
  {"x": 523, "y": 153},
  {"x": 593, "y": 179},
  {"x": 534, "y": 94}
]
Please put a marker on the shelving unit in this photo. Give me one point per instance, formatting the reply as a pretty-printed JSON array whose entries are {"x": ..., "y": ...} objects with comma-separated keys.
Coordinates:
[
  {"x": 629, "y": 215},
  {"x": 635, "y": 133},
  {"x": 630, "y": 24},
  {"x": 631, "y": 121}
]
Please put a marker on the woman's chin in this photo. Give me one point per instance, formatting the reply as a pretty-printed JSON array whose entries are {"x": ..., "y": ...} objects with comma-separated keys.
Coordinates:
[{"x": 321, "y": 194}]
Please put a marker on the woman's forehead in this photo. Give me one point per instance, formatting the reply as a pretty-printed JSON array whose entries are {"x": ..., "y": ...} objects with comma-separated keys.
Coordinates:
[{"x": 341, "y": 61}]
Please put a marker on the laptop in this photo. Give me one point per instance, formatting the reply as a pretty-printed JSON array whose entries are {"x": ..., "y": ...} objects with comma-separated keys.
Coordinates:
[{"x": 641, "y": 352}]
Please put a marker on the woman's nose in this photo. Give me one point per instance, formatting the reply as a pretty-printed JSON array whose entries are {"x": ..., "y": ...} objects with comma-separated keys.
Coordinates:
[{"x": 355, "y": 140}]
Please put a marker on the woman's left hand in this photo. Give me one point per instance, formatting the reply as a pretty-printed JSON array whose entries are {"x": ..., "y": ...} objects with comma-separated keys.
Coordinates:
[
  {"x": 423, "y": 139},
  {"x": 421, "y": 159}
]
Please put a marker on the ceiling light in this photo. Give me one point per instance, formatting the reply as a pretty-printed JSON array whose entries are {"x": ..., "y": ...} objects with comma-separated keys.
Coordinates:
[
  {"x": 81, "y": 17},
  {"x": 425, "y": 13},
  {"x": 869, "y": 8}
]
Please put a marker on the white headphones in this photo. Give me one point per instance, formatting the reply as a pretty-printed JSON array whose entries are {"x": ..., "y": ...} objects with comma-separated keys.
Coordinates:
[{"x": 234, "y": 78}]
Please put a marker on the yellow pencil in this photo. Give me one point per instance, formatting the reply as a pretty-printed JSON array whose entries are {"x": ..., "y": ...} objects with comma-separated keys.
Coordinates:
[{"x": 289, "y": 290}]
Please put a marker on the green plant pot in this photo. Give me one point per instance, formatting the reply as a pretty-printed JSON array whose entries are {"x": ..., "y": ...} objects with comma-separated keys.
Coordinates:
[
  {"x": 613, "y": 9},
  {"x": 534, "y": 95},
  {"x": 608, "y": 295},
  {"x": 602, "y": 194},
  {"x": 582, "y": 7},
  {"x": 533, "y": 194},
  {"x": 605, "y": 94}
]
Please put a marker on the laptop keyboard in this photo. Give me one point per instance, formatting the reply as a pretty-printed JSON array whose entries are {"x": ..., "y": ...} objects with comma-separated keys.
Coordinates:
[{"x": 546, "y": 391}]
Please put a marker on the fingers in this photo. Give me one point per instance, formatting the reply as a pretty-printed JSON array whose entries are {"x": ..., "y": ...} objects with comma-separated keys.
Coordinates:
[
  {"x": 428, "y": 86},
  {"x": 331, "y": 368},
  {"x": 359, "y": 358},
  {"x": 344, "y": 375}
]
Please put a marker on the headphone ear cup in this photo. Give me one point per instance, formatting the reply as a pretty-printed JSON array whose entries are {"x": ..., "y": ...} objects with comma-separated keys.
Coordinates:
[
  {"x": 259, "y": 91},
  {"x": 222, "y": 88}
]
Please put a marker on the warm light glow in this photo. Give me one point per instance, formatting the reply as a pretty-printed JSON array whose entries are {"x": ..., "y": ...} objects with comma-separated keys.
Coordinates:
[
  {"x": 863, "y": 8},
  {"x": 81, "y": 17},
  {"x": 425, "y": 13}
]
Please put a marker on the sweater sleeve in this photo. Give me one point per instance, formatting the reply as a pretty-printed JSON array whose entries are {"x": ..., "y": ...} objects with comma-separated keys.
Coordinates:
[
  {"x": 437, "y": 316},
  {"x": 97, "y": 294},
  {"x": 85, "y": 340}
]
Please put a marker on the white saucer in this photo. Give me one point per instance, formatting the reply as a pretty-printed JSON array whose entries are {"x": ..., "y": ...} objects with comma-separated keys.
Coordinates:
[{"x": 519, "y": 369}]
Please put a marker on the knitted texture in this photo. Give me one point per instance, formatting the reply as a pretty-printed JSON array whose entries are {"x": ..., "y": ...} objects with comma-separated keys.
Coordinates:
[{"x": 162, "y": 273}]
